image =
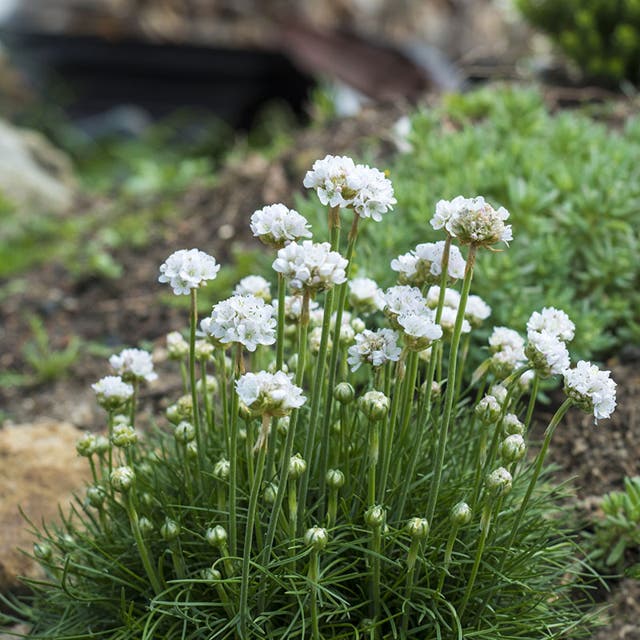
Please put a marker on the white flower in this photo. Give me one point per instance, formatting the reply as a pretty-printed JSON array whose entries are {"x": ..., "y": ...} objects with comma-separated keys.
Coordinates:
[
  {"x": 451, "y": 297},
  {"x": 503, "y": 337},
  {"x": 499, "y": 392},
  {"x": 185, "y": 270},
  {"x": 269, "y": 393},
  {"x": 423, "y": 265},
  {"x": 472, "y": 221},
  {"x": 177, "y": 346},
  {"x": 366, "y": 295},
  {"x": 505, "y": 362},
  {"x": 374, "y": 347},
  {"x": 553, "y": 321},
  {"x": 547, "y": 354},
  {"x": 403, "y": 299},
  {"x": 311, "y": 265},
  {"x": 255, "y": 286},
  {"x": 476, "y": 311},
  {"x": 133, "y": 364},
  {"x": 112, "y": 391},
  {"x": 406, "y": 265},
  {"x": 591, "y": 389},
  {"x": 329, "y": 177},
  {"x": 276, "y": 225},
  {"x": 448, "y": 320},
  {"x": 419, "y": 329},
  {"x": 243, "y": 319},
  {"x": 372, "y": 192},
  {"x": 488, "y": 409}
]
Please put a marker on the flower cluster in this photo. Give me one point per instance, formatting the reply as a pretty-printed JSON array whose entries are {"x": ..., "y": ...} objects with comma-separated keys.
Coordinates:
[
  {"x": 112, "y": 391},
  {"x": 276, "y": 225},
  {"x": 472, "y": 221},
  {"x": 188, "y": 269},
  {"x": 269, "y": 393},
  {"x": 365, "y": 295},
  {"x": 311, "y": 266},
  {"x": 591, "y": 389},
  {"x": 507, "y": 348},
  {"x": 245, "y": 319},
  {"x": 254, "y": 286},
  {"x": 133, "y": 364},
  {"x": 339, "y": 182},
  {"x": 547, "y": 332},
  {"x": 423, "y": 265},
  {"x": 374, "y": 347}
]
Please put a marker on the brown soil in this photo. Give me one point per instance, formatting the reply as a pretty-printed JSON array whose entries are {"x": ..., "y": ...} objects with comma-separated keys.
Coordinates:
[{"x": 128, "y": 310}]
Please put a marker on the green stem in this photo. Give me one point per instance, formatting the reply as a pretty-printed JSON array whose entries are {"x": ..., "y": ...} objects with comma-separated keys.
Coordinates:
[
  {"x": 532, "y": 402},
  {"x": 376, "y": 548},
  {"x": 142, "y": 546},
  {"x": 233, "y": 457},
  {"x": 224, "y": 385},
  {"x": 374, "y": 449},
  {"x": 205, "y": 394},
  {"x": 282, "y": 289},
  {"x": 450, "y": 390},
  {"x": 447, "y": 557},
  {"x": 411, "y": 573},
  {"x": 192, "y": 380},
  {"x": 248, "y": 535},
  {"x": 314, "y": 574},
  {"x": 134, "y": 399}
]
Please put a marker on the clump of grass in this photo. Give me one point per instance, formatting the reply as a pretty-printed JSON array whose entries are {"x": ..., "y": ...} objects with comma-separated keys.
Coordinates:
[{"x": 330, "y": 481}]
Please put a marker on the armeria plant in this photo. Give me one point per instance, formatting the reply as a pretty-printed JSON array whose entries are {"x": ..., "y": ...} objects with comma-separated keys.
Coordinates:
[{"x": 327, "y": 473}]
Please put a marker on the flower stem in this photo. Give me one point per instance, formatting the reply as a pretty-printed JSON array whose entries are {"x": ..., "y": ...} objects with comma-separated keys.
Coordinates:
[
  {"x": 233, "y": 457},
  {"x": 192, "y": 380},
  {"x": 248, "y": 534},
  {"x": 450, "y": 390},
  {"x": 282, "y": 289},
  {"x": 532, "y": 401},
  {"x": 411, "y": 573},
  {"x": 374, "y": 450},
  {"x": 314, "y": 575},
  {"x": 447, "y": 557},
  {"x": 376, "y": 548}
]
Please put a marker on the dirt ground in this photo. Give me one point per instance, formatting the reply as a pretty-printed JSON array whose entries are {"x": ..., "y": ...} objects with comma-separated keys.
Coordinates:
[{"x": 125, "y": 311}]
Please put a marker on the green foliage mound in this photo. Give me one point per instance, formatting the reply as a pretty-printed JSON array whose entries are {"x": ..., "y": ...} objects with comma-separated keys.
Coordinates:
[
  {"x": 601, "y": 36},
  {"x": 572, "y": 186}
]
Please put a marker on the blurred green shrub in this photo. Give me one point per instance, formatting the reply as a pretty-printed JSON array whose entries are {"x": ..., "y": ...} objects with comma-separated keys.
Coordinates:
[{"x": 601, "y": 36}]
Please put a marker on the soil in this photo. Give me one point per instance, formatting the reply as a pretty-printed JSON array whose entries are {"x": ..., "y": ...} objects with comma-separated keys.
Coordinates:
[{"x": 128, "y": 310}]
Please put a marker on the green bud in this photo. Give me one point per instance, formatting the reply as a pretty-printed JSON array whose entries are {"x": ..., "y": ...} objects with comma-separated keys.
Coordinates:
[
  {"x": 316, "y": 538},
  {"x": 216, "y": 536},
  {"x": 293, "y": 362},
  {"x": 244, "y": 412},
  {"x": 460, "y": 514},
  {"x": 221, "y": 469},
  {"x": 184, "y": 432},
  {"x": 374, "y": 405},
  {"x": 122, "y": 478},
  {"x": 512, "y": 425},
  {"x": 124, "y": 435},
  {"x": 283, "y": 425},
  {"x": 102, "y": 445},
  {"x": 86, "y": 445},
  {"x": 147, "y": 499},
  {"x": 344, "y": 393},
  {"x": 270, "y": 492},
  {"x": 95, "y": 495},
  {"x": 170, "y": 530},
  {"x": 145, "y": 525},
  {"x": 204, "y": 350},
  {"x": 211, "y": 574},
  {"x": 418, "y": 528},
  {"x": 192, "y": 450},
  {"x": 499, "y": 482},
  {"x": 297, "y": 466},
  {"x": 335, "y": 478},
  {"x": 42, "y": 551},
  {"x": 513, "y": 448},
  {"x": 374, "y": 516}
]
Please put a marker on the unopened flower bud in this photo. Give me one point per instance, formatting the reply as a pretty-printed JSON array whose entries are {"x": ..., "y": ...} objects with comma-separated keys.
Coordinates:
[
  {"x": 335, "y": 478},
  {"x": 147, "y": 499},
  {"x": 42, "y": 551},
  {"x": 173, "y": 413},
  {"x": 374, "y": 404},
  {"x": 513, "y": 448},
  {"x": 204, "y": 350},
  {"x": 460, "y": 514},
  {"x": 244, "y": 412},
  {"x": 358, "y": 325},
  {"x": 184, "y": 432},
  {"x": 273, "y": 367},
  {"x": 270, "y": 493},
  {"x": 177, "y": 346},
  {"x": 488, "y": 409},
  {"x": 170, "y": 530},
  {"x": 145, "y": 525},
  {"x": 124, "y": 435},
  {"x": 418, "y": 528},
  {"x": 212, "y": 385},
  {"x": 216, "y": 536},
  {"x": 210, "y": 574},
  {"x": 191, "y": 450},
  {"x": 499, "y": 482},
  {"x": 316, "y": 538},
  {"x": 95, "y": 495},
  {"x": 374, "y": 516},
  {"x": 122, "y": 478},
  {"x": 102, "y": 445},
  {"x": 512, "y": 425},
  {"x": 242, "y": 434},
  {"x": 344, "y": 393},
  {"x": 297, "y": 466},
  {"x": 86, "y": 445},
  {"x": 292, "y": 362},
  {"x": 283, "y": 425},
  {"x": 221, "y": 469}
]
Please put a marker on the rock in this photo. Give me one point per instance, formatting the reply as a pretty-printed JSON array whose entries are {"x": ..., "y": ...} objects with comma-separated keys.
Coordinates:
[
  {"x": 39, "y": 468},
  {"x": 34, "y": 175}
]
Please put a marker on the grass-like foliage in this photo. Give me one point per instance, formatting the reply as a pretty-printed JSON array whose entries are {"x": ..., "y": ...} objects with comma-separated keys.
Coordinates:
[
  {"x": 369, "y": 495},
  {"x": 602, "y": 37},
  {"x": 572, "y": 185}
]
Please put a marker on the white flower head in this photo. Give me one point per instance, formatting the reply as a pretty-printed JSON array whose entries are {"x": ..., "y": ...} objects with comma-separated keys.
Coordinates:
[
  {"x": 547, "y": 353},
  {"x": 451, "y": 297},
  {"x": 503, "y": 338},
  {"x": 365, "y": 295},
  {"x": 311, "y": 265},
  {"x": 423, "y": 265},
  {"x": 188, "y": 269},
  {"x": 276, "y": 225},
  {"x": 553, "y": 321},
  {"x": 254, "y": 285},
  {"x": 374, "y": 347},
  {"x": 591, "y": 389},
  {"x": 112, "y": 391},
  {"x": 133, "y": 364},
  {"x": 448, "y": 321},
  {"x": 473, "y": 221},
  {"x": 370, "y": 191},
  {"x": 503, "y": 363},
  {"x": 419, "y": 329},
  {"x": 499, "y": 392},
  {"x": 402, "y": 299},
  {"x": 329, "y": 177},
  {"x": 270, "y": 394},
  {"x": 476, "y": 311},
  {"x": 246, "y": 320},
  {"x": 177, "y": 346}
]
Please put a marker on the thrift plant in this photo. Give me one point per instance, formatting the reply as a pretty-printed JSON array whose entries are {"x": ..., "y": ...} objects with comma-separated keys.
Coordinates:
[{"x": 326, "y": 473}]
